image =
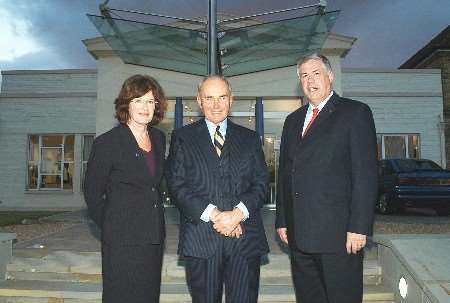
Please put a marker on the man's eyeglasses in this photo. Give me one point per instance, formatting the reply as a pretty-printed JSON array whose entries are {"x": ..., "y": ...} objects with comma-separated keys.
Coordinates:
[
  {"x": 143, "y": 102},
  {"x": 220, "y": 99}
]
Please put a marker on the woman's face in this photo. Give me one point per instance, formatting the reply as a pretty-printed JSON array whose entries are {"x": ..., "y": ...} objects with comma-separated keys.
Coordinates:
[{"x": 141, "y": 109}]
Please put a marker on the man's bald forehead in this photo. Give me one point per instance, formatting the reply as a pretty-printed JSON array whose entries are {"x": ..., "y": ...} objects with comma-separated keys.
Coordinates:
[{"x": 211, "y": 78}]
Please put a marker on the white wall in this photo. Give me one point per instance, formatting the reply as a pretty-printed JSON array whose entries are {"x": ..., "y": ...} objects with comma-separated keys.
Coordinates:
[
  {"x": 65, "y": 106},
  {"x": 402, "y": 102},
  {"x": 49, "y": 81},
  {"x": 45, "y": 102},
  {"x": 282, "y": 82}
]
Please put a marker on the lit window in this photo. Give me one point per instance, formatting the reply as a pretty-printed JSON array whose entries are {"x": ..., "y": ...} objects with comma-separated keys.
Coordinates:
[
  {"x": 51, "y": 162},
  {"x": 401, "y": 146}
]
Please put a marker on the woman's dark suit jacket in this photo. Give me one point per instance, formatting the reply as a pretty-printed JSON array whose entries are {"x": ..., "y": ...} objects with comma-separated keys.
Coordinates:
[{"x": 122, "y": 198}]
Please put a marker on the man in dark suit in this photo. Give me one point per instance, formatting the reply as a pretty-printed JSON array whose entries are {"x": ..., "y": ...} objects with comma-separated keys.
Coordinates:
[
  {"x": 327, "y": 188},
  {"x": 218, "y": 178}
]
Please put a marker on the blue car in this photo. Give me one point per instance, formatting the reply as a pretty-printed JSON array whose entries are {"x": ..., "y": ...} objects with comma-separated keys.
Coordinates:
[{"x": 417, "y": 183}]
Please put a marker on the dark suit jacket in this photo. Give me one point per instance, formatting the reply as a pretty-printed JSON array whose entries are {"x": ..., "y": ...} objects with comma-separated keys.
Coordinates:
[
  {"x": 197, "y": 177},
  {"x": 327, "y": 183},
  {"x": 122, "y": 198}
]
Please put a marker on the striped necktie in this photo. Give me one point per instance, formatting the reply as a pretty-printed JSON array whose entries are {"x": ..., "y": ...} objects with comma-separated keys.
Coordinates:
[{"x": 218, "y": 141}]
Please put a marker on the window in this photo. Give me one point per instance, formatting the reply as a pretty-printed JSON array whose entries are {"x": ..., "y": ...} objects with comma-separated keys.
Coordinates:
[
  {"x": 271, "y": 150},
  {"x": 398, "y": 146},
  {"x": 87, "y": 145},
  {"x": 51, "y": 162},
  {"x": 415, "y": 165}
]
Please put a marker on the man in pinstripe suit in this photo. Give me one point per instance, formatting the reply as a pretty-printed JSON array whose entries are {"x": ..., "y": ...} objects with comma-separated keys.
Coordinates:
[{"x": 218, "y": 179}]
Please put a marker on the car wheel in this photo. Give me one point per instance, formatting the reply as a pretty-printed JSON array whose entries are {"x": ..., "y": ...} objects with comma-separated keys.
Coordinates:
[
  {"x": 443, "y": 211},
  {"x": 384, "y": 204}
]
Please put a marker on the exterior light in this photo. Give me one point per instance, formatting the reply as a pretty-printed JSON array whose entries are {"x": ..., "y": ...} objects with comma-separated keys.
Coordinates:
[{"x": 403, "y": 287}]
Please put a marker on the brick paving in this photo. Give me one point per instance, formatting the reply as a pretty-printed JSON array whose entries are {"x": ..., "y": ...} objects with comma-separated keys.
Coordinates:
[{"x": 73, "y": 230}]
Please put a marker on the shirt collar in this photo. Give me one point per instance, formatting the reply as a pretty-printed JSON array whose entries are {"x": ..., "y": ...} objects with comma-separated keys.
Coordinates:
[
  {"x": 321, "y": 104},
  {"x": 212, "y": 127}
]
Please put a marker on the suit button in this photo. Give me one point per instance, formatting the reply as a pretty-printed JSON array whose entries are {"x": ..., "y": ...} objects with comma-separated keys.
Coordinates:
[
  {"x": 153, "y": 189},
  {"x": 155, "y": 205},
  {"x": 293, "y": 170},
  {"x": 297, "y": 194}
]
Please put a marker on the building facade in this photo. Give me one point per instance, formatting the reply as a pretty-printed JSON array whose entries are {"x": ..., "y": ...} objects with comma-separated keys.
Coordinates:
[
  {"x": 436, "y": 55},
  {"x": 48, "y": 119}
]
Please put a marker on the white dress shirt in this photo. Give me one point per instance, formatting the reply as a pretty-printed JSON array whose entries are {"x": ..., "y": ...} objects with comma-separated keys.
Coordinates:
[{"x": 208, "y": 210}]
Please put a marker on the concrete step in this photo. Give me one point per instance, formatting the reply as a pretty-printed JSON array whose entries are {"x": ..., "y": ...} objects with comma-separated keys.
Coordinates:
[
  {"x": 370, "y": 253},
  {"x": 49, "y": 277},
  {"x": 86, "y": 267},
  {"x": 70, "y": 292}
]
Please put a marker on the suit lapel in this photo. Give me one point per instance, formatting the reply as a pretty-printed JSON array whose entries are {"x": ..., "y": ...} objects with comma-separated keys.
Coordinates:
[
  {"x": 231, "y": 139},
  {"x": 298, "y": 126},
  {"x": 323, "y": 116},
  {"x": 233, "y": 150},
  {"x": 204, "y": 141},
  {"x": 157, "y": 152},
  {"x": 131, "y": 146}
]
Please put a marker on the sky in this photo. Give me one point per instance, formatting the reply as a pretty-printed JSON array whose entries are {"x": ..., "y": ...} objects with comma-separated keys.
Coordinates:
[{"x": 47, "y": 34}]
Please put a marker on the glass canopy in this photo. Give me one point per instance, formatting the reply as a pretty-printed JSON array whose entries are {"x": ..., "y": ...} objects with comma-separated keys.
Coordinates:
[{"x": 242, "y": 50}]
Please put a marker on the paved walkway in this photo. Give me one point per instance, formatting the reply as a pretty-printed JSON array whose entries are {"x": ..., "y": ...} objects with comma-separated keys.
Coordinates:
[{"x": 84, "y": 235}]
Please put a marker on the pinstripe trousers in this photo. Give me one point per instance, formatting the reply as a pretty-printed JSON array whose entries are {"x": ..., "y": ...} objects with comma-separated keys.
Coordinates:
[{"x": 239, "y": 274}]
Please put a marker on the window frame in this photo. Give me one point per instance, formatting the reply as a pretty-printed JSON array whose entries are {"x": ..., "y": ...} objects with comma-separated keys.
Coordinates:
[
  {"x": 406, "y": 137},
  {"x": 84, "y": 161},
  {"x": 38, "y": 162}
]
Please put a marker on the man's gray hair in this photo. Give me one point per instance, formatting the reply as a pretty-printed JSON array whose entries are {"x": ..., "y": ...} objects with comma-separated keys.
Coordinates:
[
  {"x": 218, "y": 77},
  {"x": 315, "y": 56}
]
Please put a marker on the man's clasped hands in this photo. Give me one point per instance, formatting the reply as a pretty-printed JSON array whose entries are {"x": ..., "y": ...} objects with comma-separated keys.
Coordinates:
[{"x": 228, "y": 223}]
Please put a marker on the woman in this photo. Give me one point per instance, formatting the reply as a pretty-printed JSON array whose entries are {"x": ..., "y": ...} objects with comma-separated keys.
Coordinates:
[{"x": 121, "y": 191}]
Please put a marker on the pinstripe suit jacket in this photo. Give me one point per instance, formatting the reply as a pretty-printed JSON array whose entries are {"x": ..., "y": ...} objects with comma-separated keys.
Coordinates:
[{"x": 196, "y": 178}]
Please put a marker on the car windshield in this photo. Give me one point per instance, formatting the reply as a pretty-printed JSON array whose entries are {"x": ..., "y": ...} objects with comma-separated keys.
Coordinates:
[{"x": 408, "y": 165}]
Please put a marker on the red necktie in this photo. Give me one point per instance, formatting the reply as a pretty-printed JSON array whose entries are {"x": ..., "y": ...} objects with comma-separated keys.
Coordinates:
[{"x": 314, "y": 116}]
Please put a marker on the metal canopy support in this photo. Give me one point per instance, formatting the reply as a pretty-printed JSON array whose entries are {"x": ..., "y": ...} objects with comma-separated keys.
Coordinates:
[
  {"x": 320, "y": 11},
  {"x": 259, "y": 118},
  {"x": 178, "y": 112},
  {"x": 104, "y": 9},
  {"x": 322, "y": 3},
  {"x": 157, "y": 15},
  {"x": 212, "y": 38}
]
